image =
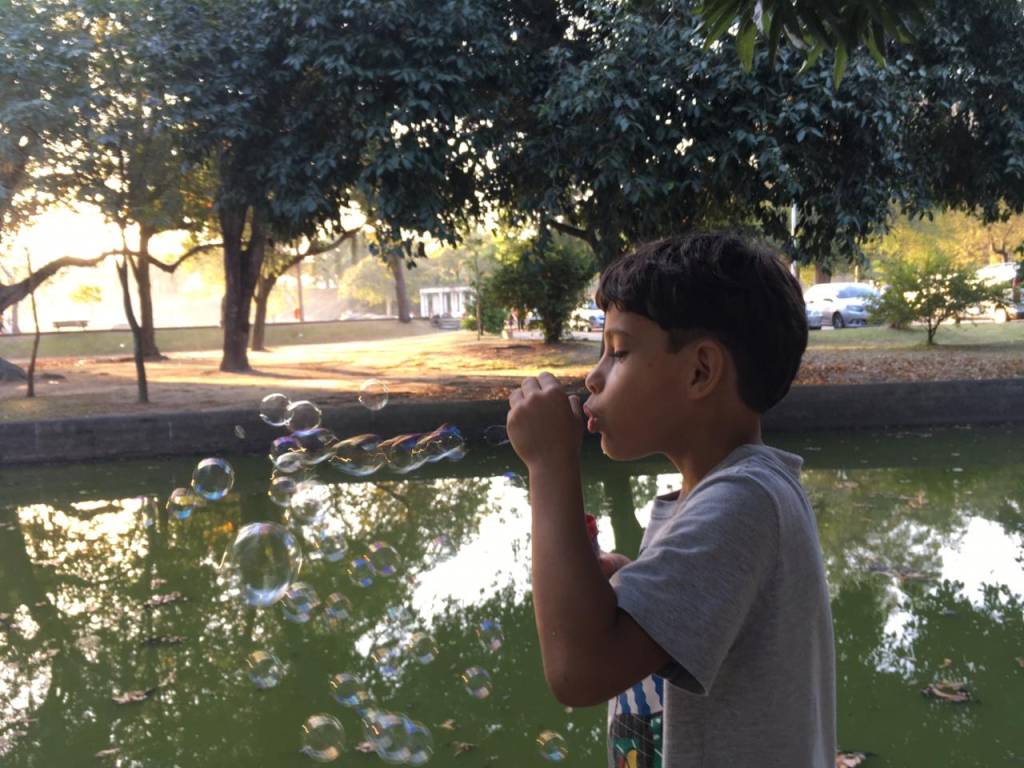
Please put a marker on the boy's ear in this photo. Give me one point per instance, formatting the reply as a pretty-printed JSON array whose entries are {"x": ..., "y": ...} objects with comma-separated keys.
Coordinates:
[{"x": 707, "y": 368}]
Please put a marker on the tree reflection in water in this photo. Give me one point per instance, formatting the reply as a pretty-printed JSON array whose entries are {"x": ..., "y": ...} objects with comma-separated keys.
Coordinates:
[{"x": 76, "y": 570}]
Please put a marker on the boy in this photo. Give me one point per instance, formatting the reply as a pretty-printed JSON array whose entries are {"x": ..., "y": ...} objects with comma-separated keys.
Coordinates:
[{"x": 727, "y": 601}]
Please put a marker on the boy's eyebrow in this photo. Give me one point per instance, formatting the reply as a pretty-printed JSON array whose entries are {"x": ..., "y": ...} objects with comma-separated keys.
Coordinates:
[{"x": 615, "y": 332}]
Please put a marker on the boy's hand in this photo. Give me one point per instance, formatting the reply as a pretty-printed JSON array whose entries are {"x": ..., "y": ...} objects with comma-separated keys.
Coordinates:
[
  {"x": 544, "y": 424},
  {"x": 610, "y": 562}
]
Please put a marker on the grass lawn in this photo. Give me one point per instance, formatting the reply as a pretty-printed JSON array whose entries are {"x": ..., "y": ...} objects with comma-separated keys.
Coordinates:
[
  {"x": 994, "y": 335},
  {"x": 100, "y": 343}
]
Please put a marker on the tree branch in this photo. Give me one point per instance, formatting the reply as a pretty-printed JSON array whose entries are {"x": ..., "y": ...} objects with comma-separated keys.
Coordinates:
[
  {"x": 314, "y": 250},
  {"x": 171, "y": 268},
  {"x": 12, "y": 294},
  {"x": 567, "y": 229}
]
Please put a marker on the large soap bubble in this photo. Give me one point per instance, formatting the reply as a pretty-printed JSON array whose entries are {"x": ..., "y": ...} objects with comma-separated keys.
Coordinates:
[
  {"x": 337, "y": 610},
  {"x": 421, "y": 742},
  {"x": 384, "y": 558},
  {"x": 552, "y": 746},
  {"x": 490, "y": 635},
  {"x": 358, "y": 456},
  {"x": 286, "y": 454},
  {"x": 281, "y": 489},
  {"x": 212, "y": 479},
  {"x": 317, "y": 445},
  {"x": 303, "y": 416},
  {"x": 402, "y": 454},
  {"x": 387, "y": 733},
  {"x": 360, "y": 570},
  {"x": 299, "y": 602},
  {"x": 348, "y": 690},
  {"x": 310, "y": 502},
  {"x": 496, "y": 435},
  {"x": 445, "y": 442},
  {"x": 182, "y": 502},
  {"x": 274, "y": 409},
  {"x": 265, "y": 669},
  {"x": 266, "y": 560},
  {"x": 323, "y": 738},
  {"x": 373, "y": 394},
  {"x": 422, "y": 647},
  {"x": 478, "y": 682}
]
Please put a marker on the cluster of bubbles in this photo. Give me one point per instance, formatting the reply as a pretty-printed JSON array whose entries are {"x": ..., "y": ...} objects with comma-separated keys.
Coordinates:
[
  {"x": 212, "y": 480},
  {"x": 265, "y": 559}
]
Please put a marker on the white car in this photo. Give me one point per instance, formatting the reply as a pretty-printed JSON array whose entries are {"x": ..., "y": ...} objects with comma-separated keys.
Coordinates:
[
  {"x": 589, "y": 317},
  {"x": 1007, "y": 274},
  {"x": 842, "y": 304}
]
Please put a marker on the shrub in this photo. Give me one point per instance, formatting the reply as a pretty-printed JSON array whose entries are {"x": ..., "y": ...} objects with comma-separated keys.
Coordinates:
[{"x": 931, "y": 291}]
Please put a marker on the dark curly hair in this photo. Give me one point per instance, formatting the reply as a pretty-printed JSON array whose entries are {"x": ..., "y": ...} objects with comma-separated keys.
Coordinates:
[{"x": 722, "y": 285}]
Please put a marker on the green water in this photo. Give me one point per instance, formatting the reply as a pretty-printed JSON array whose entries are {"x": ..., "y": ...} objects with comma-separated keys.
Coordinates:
[{"x": 77, "y": 566}]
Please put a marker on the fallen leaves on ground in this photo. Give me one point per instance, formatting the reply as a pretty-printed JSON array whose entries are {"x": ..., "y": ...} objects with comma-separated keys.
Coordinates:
[
  {"x": 448, "y": 725},
  {"x": 108, "y": 752},
  {"x": 461, "y": 747}
]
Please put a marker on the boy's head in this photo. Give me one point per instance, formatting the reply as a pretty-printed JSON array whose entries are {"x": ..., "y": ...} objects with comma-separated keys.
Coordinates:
[{"x": 706, "y": 324}]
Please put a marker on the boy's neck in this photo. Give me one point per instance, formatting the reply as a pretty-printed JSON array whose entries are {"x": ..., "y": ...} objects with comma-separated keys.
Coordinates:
[{"x": 699, "y": 458}]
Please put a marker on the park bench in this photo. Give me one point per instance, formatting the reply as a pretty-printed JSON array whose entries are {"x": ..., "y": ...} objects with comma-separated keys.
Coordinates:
[{"x": 58, "y": 324}]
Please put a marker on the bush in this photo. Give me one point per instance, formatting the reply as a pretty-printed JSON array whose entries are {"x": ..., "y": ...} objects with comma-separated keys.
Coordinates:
[
  {"x": 547, "y": 274},
  {"x": 493, "y": 313},
  {"x": 931, "y": 291}
]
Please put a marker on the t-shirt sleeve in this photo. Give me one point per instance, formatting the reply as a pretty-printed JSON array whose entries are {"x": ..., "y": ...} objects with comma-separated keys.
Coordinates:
[{"x": 694, "y": 584}]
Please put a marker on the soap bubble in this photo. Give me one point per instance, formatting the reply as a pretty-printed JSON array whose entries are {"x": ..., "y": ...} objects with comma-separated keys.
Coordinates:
[
  {"x": 490, "y": 634},
  {"x": 330, "y": 540},
  {"x": 323, "y": 738},
  {"x": 239, "y": 431},
  {"x": 420, "y": 742},
  {"x": 348, "y": 690},
  {"x": 281, "y": 490},
  {"x": 445, "y": 442},
  {"x": 373, "y": 394},
  {"x": 388, "y": 658},
  {"x": 299, "y": 601},
  {"x": 317, "y": 445},
  {"x": 303, "y": 416},
  {"x": 289, "y": 462},
  {"x": 552, "y": 746},
  {"x": 401, "y": 454},
  {"x": 358, "y": 456},
  {"x": 387, "y": 733},
  {"x": 212, "y": 479},
  {"x": 148, "y": 510},
  {"x": 383, "y": 558},
  {"x": 266, "y": 559},
  {"x": 496, "y": 435},
  {"x": 361, "y": 572},
  {"x": 477, "y": 681},
  {"x": 182, "y": 502},
  {"x": 310, "y": 502},
  {"x": 265, "y": 669},
  {"x": 286, "y": 454},
  {"x": 422, "y": 648},
  {"x": 274, "y": 409},
  {"x": 517, "y": 481},
  {"x": 337, "y": 609}
]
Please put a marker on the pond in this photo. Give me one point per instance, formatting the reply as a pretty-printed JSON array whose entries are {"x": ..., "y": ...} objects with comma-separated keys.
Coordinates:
[{"x": 923, "y": 537}]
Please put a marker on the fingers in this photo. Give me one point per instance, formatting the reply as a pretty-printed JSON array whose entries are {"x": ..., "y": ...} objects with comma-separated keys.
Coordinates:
[
  {"x": 574, "y": 403},
  {"x": 548, "y": 381}
]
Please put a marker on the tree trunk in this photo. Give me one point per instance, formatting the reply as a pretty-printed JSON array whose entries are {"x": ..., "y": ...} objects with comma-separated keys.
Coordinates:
[
  {"x": 822, "y": 274},
  {"x": 242, "y": 265},
  {"x": 15, "y": 328},
  {"x": 31, "y": 390},
  {"x": 126, "y": 295},
  {"x": 145, "y": 286},
  {"x": 397, "y": 266},
  {"x": 259, "y": 328}
]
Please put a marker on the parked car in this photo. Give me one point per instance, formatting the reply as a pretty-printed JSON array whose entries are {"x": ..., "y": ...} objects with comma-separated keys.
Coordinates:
[
  {"x": 814, "y": 319},
  {"x": 842, "y": 304},
  {"x": 588, "y": 317},
  {"x": 1008, "y": 274}
]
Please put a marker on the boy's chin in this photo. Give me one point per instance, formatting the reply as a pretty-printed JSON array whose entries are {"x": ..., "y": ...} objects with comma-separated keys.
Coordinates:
[{"x": 620, "y": 452}]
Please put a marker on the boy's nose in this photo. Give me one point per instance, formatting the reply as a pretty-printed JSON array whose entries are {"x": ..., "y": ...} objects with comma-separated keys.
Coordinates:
[{"x": 592, "y": 382}]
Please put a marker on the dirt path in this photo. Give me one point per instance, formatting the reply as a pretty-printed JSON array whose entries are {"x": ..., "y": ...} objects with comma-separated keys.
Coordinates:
[{"x": 450, "y": 366}]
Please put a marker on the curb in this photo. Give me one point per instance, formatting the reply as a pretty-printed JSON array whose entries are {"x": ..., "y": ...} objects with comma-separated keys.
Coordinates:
[{"x": 805, "y": 409}]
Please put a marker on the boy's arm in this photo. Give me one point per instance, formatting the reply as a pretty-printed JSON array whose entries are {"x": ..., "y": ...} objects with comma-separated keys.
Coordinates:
[{"x": 591, "y": 650}]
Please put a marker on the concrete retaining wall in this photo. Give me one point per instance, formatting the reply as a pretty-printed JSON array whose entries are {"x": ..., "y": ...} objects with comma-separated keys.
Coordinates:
[{"x": 805, "y": 409}]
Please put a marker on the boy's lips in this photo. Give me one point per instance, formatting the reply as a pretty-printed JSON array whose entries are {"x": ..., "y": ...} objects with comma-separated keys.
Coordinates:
[{"x": 592, "y": 424}]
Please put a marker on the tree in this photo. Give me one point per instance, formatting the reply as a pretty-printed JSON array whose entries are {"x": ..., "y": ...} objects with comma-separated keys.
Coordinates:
[
  {"x": 278, "y": 260},
  {"x": 546, "y": 273},
  {"x": 932, "y": 291}
]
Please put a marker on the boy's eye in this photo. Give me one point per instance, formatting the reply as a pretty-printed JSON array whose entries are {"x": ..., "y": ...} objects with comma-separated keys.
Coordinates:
[{"x": 618, "y": 355}]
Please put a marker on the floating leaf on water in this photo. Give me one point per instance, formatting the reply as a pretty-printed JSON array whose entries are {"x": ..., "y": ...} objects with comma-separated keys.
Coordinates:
[
  {"x": 946, "y": 662},
  {"x": 108, "y": 752},
  {"x": 952, "y": 691},
  {"x": 851, "y": 759},
  {"x": 239, "y": 431},
  {"x": 133, "y": 697},
  {"x": 448, "y": 725},
  {"x": 157, "y": 600},
  {"x": 460, "y": 747},
  {"x": 1020, "y": 662}
]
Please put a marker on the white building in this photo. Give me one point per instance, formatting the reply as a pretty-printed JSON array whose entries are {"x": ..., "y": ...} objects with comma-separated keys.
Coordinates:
[{"x": 446, "y": 301}]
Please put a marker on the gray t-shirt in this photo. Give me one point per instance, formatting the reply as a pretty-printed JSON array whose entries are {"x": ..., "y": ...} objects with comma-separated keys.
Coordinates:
[{"x": 730, "y": 582}]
